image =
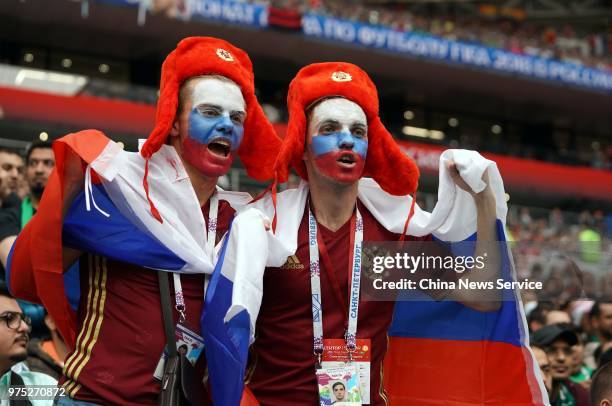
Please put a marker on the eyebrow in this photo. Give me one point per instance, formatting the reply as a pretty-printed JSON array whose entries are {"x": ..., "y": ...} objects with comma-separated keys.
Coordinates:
[
  {"x": 217, "y": 107},
  {"x": 329, "y": 121}
]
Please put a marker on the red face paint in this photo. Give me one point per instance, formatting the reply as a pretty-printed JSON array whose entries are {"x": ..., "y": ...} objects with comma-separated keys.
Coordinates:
[
  {"x": 333, "y": 166},
  {"x": 206, "y": 162}
]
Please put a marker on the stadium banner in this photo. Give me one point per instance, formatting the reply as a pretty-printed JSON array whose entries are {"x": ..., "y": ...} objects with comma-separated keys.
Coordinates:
[
  {"x": 235, "y": 12},
  {"x": 434, "y": 48},
  {"x": 255, "y": 15}
]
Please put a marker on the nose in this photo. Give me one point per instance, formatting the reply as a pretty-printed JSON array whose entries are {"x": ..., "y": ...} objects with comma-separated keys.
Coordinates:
[
  {"x": 23, "y": 327},
  {"x": 225, "y": 125},
  {"x": 345, "y": 140}
]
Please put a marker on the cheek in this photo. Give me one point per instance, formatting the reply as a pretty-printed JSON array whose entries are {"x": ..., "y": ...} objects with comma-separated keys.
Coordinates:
[
  {"x": 238, "y": 135},
  {"x": 323, "y": 144},
  {"x": 199, "y": 128},
  {"x": 361, "y": 147}
]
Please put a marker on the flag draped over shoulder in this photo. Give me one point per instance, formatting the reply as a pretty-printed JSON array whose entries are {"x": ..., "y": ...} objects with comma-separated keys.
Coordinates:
[
  {"x": 230, "y": 310},
  {"x": 440, "y": 353},
  {"x": 110, "y": 217}
]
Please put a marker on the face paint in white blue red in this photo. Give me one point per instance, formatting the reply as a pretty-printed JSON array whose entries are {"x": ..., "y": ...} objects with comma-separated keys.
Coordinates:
[
  {"x": 215, "y": 125},
  {"x": 338, "y": 142}
]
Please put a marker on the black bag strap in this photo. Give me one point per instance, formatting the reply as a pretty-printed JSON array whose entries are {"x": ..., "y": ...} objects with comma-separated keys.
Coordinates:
[
  {"x": 166, "y": 305},
  {"x": 17, "y": 380}
]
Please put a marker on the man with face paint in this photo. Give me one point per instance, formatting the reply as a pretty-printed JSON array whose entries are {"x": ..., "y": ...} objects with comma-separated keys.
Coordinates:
[
  {"x": 335, "y": 138},
  {"x": 207, "y": 114},
  {"x": 214, "y": 126}
]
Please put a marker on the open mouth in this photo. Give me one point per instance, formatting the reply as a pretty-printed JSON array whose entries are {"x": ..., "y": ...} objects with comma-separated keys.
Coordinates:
[
  {"x": 347, "y": 159},
  {"x": 221, "y": 147}
]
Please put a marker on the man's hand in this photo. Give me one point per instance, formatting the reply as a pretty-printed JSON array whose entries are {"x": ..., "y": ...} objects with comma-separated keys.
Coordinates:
[{"x": 486, "y": 245}]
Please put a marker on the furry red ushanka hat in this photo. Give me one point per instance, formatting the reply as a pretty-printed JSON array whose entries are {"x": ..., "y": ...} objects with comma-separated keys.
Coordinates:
[
  {"x": 198, "y": 56},
  {"x": 394, "y": 171}
]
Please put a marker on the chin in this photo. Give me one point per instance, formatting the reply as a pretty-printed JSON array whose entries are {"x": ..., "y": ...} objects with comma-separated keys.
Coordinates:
[
  {"x": 19, "y": 356},
  {"x": 207, "y": 163}
]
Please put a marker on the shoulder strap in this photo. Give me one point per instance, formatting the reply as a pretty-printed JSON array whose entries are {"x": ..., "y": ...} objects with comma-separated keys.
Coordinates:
[
  {"x": 164, "y": 293},
  {"x": 17, "y": 380}
]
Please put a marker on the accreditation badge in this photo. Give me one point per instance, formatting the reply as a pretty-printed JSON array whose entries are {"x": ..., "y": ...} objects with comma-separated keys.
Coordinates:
[
  {"x": 188, "y": 343},
  {"x": 335, "y": 355},
  {"x": 339, "y": 386}
]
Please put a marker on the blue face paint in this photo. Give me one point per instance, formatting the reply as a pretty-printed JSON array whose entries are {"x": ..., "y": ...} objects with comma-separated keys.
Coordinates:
[
  {"x": 323, "y": 144},
  {"x": 206, "y": 129}
]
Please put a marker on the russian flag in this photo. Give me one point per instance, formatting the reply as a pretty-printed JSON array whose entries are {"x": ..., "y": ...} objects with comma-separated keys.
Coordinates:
[
  {"x": 231, "y": 306},
  {"x": 109, "y": 216},
  {"x": 439, "y": 353},
  {"x": 444, "y": 353}
]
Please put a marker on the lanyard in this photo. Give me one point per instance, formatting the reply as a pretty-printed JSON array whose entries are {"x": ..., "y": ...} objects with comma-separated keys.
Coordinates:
[
  {"x": 211, "y": 235},
  {"x": 316, "y": 243}
]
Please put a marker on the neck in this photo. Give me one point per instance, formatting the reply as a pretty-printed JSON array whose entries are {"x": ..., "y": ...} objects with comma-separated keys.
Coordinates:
[
  {"x": 34, "y": 200},
  {"x": 333, "y": 203},
  {"x": 203, "y": 186}
]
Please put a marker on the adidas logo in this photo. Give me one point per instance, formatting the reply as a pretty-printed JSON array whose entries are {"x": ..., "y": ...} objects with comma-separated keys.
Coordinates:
[{"x": 293, "y": 263}]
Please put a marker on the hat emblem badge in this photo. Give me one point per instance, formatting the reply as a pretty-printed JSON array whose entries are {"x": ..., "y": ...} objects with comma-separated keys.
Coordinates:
[
  {"x": 341, "y": 77},
  {"x": 225, "y": 55}
]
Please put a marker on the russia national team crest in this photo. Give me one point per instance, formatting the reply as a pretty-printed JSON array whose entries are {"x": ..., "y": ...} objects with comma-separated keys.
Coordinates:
[
  {"x": 341, "y": 77},
  {"x": 224, "y": 54}
]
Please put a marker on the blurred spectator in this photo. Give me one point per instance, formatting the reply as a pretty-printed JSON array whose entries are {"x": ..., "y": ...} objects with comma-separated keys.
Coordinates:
[
  {"x": 606, "y": 287},
  {"x": 544, "y": 364},
  {"x": 537, "y": 317},
  {"x": 14, "y": 337},
  {"x": 603, "y": 354},
  {"x": 601, "y": 390},
  {"x": 590, "y": 243},
  {"x": 14, "y": 329},
  {"x": 11, "y": 172},
  {"x": 580, "y": 373},
  {"x": 557, "y": 341},
  {"x": 169, "y": 8},
  {"x": 557, "y": 316},
  {"x": 39, "y": 164},
  {"x": 601, "y": 319}
]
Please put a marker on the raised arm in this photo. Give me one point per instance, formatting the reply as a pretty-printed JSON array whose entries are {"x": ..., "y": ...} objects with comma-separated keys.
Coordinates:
[{"x": 487, "y": 246}]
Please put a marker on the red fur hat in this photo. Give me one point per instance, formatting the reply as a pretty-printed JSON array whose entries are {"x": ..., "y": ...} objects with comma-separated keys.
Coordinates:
[
  {"x": 394, "y": 171},
  {"x": 197, "y": 56}
]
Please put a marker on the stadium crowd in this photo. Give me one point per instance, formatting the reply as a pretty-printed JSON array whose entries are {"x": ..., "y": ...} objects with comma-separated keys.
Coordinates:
[
  {"x": 570, "y": 321},
  {"x": 504, "y": 31}
]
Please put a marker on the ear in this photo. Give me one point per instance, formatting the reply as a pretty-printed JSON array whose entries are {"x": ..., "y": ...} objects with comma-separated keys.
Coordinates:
[{"x": 174, "y": 131}]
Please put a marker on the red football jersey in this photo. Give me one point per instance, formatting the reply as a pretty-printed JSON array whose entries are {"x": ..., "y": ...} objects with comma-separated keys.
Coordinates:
[
  {"x": 283, "y": 364},
  {"x": 121, "y": 334}
]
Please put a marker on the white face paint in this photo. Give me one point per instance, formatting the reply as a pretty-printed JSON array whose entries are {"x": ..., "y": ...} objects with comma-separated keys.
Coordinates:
[
  {"x": 216, "y": 92},
  {"x": 343, "y": 111}
]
